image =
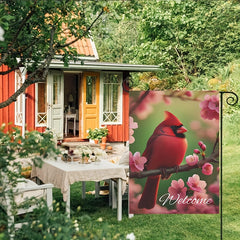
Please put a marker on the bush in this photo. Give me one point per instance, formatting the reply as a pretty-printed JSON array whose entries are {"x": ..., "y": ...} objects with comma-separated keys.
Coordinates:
[{"x": 42, "y": 223}]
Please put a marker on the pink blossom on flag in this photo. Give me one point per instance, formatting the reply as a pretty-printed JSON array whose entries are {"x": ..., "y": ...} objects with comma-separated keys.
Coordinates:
[
  {"x": 207, "y": 169},
  {"x": 196, "y": 184},
  {"x": 192, "y": 159},
  {"x": 177, "y": 189},
  {"x": 136, "y": 162},
  {"x": 210, "y": 107},
  {"x": 132, "y": 125}
]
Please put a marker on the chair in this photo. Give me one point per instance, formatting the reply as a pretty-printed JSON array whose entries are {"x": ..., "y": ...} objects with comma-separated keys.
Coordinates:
[{"x": 25, "y": 190}]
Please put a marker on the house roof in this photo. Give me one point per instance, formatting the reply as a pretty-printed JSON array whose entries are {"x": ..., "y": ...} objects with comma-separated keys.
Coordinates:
[
  {"x": 85, "y": 47},
  {"x": 103, "y": 66},
  {"x": 88, "y": 58}
]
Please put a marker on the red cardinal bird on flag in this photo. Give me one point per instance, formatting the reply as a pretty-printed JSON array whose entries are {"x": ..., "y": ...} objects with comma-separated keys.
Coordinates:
[{"x": 165, "y": 148}]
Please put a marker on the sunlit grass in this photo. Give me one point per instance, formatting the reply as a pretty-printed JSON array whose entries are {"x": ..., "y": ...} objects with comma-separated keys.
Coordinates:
[
  {"x": 171, "y": 227},
  {"x": 95, "y": 214}
]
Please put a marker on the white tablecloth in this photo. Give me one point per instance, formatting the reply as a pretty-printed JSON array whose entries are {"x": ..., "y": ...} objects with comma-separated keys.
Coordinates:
[{"x": 63, "y": 174}]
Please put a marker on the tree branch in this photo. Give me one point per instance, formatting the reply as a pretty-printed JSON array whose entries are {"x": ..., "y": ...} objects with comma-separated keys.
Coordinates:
[
  {"x": 39, "y": 75},
  {"x": 13, "y": 98},
  {"x": 24, "y": 21},
  {"x": 17, "y": 53},
  {"x": 183, "y": 66},
  {"x": 138, "y": 102},
  {"x": 183, "y": 168},
  {"x": 79, "y": 37},
  {"x": 11, "y": 69},
  {"x": 173, "y": 94}
]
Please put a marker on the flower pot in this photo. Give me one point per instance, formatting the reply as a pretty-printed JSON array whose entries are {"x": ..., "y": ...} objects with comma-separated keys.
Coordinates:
[
  {"x": 86, "y": 159},
  {"x": 91, "y": 140},
  {"x": 104, "y": 139},
  {"x": 103, "y": 146},
  {"x": 96, "y": 141}
]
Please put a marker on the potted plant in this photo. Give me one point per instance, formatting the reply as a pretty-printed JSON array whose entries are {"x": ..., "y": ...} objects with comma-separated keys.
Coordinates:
[
  {"x": 91, "y": 135},
  {"x": 104, "y": 133},
  {"x": 85, "y": 157},
  {"x": 98, "y": 133}
]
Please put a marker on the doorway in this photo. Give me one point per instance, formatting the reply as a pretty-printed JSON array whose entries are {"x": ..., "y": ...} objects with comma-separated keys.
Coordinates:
[{"x": 71, "y": 105}]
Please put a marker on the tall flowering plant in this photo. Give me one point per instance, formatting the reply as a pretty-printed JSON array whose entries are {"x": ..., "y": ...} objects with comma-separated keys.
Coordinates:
[{"x": 189, "y": 180}]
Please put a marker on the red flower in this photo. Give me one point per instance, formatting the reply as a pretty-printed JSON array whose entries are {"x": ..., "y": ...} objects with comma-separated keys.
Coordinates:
[{"x": 207, "y": 169}]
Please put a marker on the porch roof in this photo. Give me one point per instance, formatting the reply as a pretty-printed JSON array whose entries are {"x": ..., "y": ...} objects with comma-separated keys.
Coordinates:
[{"x": 103, "y": 66}]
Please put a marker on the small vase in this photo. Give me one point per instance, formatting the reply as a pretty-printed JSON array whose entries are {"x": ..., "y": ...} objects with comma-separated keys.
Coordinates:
[{"x": 85, "y": 159}]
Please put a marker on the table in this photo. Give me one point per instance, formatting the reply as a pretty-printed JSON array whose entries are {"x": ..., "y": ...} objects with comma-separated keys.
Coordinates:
[
  {"x": 69, "y": 116},
  {"x": 63, "y": 174}
]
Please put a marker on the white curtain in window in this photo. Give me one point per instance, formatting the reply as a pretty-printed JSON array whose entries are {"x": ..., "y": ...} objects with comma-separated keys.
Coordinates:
[{"x": 112, "y": 98}]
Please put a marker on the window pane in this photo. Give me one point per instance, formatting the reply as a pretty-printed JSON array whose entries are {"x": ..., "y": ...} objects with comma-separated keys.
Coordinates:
[
  {"x": 42, "y": 97},
  {"x": 115, "y": 97},
  {"x": 91, "y": 90},
  {"x": 41, "y": 104},
  {"x": 56, "y": 90},
  {"x": 106, "y": 97},
  {"x": 42, "y": 118},
  {"x": 111, "y": 97}
]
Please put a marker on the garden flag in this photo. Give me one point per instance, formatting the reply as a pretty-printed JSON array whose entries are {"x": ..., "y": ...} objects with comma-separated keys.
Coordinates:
[{"x": 174, "y": 152}]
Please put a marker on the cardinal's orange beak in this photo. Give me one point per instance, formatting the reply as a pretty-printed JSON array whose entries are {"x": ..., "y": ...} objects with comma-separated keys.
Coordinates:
[{"x": 182, "y": 129}]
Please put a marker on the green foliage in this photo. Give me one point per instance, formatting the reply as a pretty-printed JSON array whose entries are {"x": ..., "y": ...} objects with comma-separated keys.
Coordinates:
[
  {"x": 189, "y": 37},
  {"x": 35, "y": 145},
  {"x": 42, "y": 223},
  {"x": 57, "y": 225},
  {"x": 36, "y": 31},
  {"x": 97, "y": 133},
  {"x": 117, "y": 32},
  {"x": 13, "y": 147},
  {"x": 190, "y": 40}
]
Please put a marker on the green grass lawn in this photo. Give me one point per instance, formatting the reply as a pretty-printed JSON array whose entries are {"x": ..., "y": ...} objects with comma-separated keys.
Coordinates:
[
  {"x": 170, "y": 227},
  {"x": 173, "y": 227},
  {"x": 231, "y": 192},
  {"x": 96, "y": 216}
]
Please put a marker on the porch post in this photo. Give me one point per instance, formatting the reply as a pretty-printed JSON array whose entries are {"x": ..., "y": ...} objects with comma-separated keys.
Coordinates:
[{"x": 23, "y": 73}]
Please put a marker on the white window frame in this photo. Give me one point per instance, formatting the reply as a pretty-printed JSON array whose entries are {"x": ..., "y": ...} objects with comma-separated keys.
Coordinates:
[
  {"x": 101, "y": 99},
  {"x": 37, "y": 124},
  {"x": 18, "y": 116}
]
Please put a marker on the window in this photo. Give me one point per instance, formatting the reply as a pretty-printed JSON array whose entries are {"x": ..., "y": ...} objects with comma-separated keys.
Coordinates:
[
  {"x": 111, "y": 101},
  {"x": 41, "y": 104},
  {"x": 56, "y": 89},
  {"x": 19, "y": 102},
  {"x": 91, "y": 90}
]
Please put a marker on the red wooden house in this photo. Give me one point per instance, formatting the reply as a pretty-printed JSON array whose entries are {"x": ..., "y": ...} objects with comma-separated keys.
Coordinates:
[{"x": 86, "y": 94}]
